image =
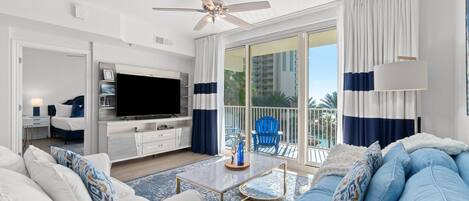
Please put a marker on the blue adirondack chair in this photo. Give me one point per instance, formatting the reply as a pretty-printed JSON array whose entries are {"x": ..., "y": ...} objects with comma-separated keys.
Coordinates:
[{"x": 267, "y": 133}]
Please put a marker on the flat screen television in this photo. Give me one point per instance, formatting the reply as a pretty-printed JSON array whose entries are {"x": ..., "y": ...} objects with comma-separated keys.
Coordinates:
[{"x": 144, "y": 95}]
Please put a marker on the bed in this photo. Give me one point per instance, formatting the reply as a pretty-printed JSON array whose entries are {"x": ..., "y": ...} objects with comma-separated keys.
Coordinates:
[{"x": 68, "y": 128}]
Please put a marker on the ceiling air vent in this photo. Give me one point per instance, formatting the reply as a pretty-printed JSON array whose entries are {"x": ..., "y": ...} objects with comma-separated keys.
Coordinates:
[{"x": 163, "y": 41}]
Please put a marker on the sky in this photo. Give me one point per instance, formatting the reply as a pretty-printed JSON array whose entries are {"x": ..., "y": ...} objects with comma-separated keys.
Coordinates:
[{"x": 322, "y": 71}]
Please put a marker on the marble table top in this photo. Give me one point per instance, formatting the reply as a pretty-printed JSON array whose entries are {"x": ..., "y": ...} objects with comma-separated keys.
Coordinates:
[{"x": 217, "y": 177}]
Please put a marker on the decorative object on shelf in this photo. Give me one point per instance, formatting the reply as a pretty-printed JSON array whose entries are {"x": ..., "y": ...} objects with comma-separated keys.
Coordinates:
[
  {"x": 36, "y": 103},
  {"x": 233, "y": 154},
  {"x": 108, "y": 74},
  {"x": 105, "y": 102},
  {"x": 108, "y": 89}
]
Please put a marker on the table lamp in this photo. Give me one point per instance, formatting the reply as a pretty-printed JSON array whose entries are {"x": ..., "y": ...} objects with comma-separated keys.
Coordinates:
[{"x": 36, "y": 103}]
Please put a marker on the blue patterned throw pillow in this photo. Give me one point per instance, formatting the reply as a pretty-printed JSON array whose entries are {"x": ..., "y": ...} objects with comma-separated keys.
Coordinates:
[
  {"x": 62, "y": 156},
  {"x": 98, "y": 184},
  {"x": 353, "y": 186}
]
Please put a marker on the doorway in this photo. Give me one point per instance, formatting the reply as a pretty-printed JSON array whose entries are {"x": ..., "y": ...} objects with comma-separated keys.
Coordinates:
[{"x": 52, "y": 92}]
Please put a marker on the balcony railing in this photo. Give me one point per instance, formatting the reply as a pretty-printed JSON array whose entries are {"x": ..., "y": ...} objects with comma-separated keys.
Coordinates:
[{"x": 322, "y": 123}]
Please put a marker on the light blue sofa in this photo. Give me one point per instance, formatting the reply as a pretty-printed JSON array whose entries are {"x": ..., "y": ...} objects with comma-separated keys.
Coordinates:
[{"x": 430, "y": 174}]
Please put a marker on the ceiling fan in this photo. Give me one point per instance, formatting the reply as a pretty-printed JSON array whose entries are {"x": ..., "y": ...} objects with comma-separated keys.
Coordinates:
[{"x": 216, "y": 9}]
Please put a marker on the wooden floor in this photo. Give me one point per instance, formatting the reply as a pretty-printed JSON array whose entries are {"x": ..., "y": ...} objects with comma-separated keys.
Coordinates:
[
  {"x": 44, "y": 144},
  {"x": 133, "y": 169},
  {"x": 315, "y": 155}
]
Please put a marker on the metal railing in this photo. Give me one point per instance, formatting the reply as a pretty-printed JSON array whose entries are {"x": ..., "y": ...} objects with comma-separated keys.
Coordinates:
[{"x": 322, "y": 123}]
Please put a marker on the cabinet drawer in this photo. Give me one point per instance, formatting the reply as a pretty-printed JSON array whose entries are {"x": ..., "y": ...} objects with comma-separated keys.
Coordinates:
[
  {"x": 158, "y": 135},
  {"x": 158, "y": 146}
]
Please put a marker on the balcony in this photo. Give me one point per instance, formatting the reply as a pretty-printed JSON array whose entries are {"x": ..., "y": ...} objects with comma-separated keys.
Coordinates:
[{"x": 321, "y": 135}]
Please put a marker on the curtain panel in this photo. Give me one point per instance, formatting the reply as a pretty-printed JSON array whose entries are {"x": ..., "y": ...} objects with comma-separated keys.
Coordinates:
[
  {"x": 206, "y": 123},
  {"x": 376, "y": 32}
]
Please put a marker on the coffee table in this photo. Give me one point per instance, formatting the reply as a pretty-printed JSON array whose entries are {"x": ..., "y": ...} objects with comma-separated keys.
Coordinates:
[{"x": 216, "y": 177}]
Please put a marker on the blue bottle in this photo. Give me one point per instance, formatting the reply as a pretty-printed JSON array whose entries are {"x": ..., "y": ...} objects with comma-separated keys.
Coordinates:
[{"x": 240, "y": 157}]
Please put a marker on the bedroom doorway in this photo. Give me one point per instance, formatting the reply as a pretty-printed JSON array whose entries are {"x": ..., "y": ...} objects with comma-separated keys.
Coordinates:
[{"x": 51, "y": 87}]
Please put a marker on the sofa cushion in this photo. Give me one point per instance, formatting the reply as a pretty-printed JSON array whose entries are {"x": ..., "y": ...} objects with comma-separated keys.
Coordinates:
[
  {"x": 462, "y": 161},
  {"x": 17, "y": 187},
  {"x": 398, "y": 152},
  {"x": 435, "y": 183},
  {"x": 98, "y": 184},
  {"x": 387, "y": 183},
  {"x": 11, "y": 161},
  {"x": 426, "y": 157},
  {"x": 359, "y": 176},
  {"x": 59, "y": 182},
  {"x": 323, "y": 190}
]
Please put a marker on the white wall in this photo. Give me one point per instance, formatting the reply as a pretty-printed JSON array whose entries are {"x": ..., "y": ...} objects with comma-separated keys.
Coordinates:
[
  {"x": 437, "y": 33},
  {"x": 442, "y": 46},
  {"x": 105, "y": 49},
  {"x": 52, "y": 76},
  {"x": 461, "y": 117},
  {"x": 100, "y": 21},
  {"x": 5, "y": 87}
]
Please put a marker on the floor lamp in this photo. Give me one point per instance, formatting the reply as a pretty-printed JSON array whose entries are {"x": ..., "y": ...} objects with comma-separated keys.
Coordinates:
[{"x": 410, "y": 75}]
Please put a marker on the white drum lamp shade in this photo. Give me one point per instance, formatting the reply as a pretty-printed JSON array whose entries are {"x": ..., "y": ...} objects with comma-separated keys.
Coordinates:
[{"x": 401, "y": 76}]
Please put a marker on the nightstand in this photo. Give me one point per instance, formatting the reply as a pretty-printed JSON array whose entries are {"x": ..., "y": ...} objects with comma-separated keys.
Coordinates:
[{"x": 32, "y": 122}]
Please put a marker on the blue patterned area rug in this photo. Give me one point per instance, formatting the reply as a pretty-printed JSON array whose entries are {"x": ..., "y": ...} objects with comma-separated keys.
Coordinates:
[{"x": 162, "y": 185}]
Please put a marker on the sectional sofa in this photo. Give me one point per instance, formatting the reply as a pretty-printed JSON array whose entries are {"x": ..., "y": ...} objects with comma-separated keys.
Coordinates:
[
  {"x": 38, "y": 177},
  {"x": 426, "y": 173}
]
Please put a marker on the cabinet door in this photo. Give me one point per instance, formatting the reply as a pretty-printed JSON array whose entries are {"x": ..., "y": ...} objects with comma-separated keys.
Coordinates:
[
  {"x": 122, "y": 146},
  {"x": 183, "y": 137}
]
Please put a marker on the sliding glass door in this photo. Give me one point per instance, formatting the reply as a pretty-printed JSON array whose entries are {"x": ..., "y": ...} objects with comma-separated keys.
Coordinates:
[
  {"x": 292, "y": 80},
  {"x": 322, "y": 95},
  {"x": 235, "y": 94},
  {"x": 274, "y": 92}
]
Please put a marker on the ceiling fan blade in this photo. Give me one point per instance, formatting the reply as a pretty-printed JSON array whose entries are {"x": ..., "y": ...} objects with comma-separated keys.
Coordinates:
[
  {"x": 180, "y": 9},
  {"x": 202, "y": 23},
  {"x": 209, "y": 4},
  {"x": 258, "y": 5},
  {"x": 237, "y": 21}
]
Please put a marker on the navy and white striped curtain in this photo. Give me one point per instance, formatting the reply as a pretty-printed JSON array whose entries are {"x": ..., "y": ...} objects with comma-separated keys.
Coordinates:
[
  {"x": 209, "y": 57},
  {"x": 376, "y": 32}
]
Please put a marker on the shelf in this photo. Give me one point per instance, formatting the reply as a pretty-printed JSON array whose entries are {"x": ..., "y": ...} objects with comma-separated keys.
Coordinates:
[
  {"x": 107, "y": 108},
  {"x": 107, "y": 81},
  {"x": 101, "y": 95}
]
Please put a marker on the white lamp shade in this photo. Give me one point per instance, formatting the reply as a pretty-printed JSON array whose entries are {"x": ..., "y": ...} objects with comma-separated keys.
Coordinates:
[
  {"x": 36, "y": 102},
  {"x": 401, "y": 76}
]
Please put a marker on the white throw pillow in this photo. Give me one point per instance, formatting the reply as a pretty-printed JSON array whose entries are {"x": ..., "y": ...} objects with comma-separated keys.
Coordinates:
[
  {"x": 17, "y": 187},
  {"x": 59, "y": 182},
  {"x": 11, "y": 161},
  {"x": 62, "y": 110},
  {"x": 101, "y": 161}
]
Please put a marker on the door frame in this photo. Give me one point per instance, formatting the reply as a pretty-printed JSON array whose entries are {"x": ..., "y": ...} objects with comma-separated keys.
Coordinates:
[{"x": 16, "y": 102}]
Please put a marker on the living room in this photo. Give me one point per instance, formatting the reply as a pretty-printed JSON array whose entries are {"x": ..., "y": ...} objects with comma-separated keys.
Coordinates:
[{"x": 234, "y": 100}]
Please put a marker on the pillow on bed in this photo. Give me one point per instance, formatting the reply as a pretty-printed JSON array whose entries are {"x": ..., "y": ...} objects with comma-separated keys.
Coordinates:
[
  {"x": 78, "y": 110},
  {"x": 62, "y": 110}
]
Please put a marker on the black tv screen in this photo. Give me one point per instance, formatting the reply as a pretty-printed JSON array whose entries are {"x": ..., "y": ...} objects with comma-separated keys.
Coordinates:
[{"x": 144, "y": 95}]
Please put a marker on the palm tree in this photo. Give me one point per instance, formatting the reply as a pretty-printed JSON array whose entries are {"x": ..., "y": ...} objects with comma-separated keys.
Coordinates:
[
  {"x": 329, "y": 101},
  {"x": 276, "y": 99}
]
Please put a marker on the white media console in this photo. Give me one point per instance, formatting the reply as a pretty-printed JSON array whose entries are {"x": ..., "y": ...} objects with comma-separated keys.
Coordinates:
[{"x": 130, "y": 139}]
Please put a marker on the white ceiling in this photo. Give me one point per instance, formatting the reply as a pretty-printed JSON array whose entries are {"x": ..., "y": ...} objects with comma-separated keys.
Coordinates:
[{"x": 183, "y": 22}]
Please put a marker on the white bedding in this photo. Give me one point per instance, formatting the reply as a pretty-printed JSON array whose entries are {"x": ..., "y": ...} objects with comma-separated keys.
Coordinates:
[{"x": 68, "y": 124}]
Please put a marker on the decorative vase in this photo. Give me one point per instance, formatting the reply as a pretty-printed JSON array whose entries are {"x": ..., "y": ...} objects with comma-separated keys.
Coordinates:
[{"x": 240, "y": 154}]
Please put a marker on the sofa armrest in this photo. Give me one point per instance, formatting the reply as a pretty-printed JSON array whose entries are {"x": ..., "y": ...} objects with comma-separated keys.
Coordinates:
[
  {"x": 101, "y": 161},
  {"x": 189, "y": 195}
]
